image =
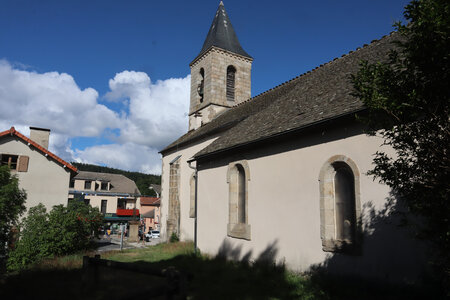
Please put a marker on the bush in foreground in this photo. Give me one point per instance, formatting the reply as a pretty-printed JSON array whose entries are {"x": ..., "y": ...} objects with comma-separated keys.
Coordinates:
[
  {"x": 12, "y": 205},
  {"x": 64, "y": 230}
]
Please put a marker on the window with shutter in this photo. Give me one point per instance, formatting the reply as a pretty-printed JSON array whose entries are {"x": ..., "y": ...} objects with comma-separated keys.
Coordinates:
[
  {"x": 200, "y": 87},
  {"x": 231, "y": 78},
  {"x": 23, "y": 163}
]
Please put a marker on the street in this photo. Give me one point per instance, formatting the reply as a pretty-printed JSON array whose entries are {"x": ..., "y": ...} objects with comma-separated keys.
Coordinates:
[{"x": 113, "y": 243}]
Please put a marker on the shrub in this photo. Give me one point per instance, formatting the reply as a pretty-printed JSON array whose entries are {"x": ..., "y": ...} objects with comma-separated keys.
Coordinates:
[
  {"x": 64, "y": 230},
  {"x": 12, "y": 205},
  {"x": 174, "y": 238}
]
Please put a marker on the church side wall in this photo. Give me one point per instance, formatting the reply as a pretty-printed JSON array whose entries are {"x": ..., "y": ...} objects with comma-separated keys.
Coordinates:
[
  {"x": 186, "y": 223},
  {"x": 45, "y": 181},
  {"x": 284, "y": 208}
]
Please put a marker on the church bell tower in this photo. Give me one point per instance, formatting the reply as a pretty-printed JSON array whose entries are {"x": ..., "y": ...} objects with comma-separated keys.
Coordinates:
[{"x": 220, "y": 74}]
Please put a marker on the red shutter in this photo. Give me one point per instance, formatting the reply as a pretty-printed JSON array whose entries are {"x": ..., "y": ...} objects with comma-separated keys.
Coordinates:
[{"x": 23, "y": 163}]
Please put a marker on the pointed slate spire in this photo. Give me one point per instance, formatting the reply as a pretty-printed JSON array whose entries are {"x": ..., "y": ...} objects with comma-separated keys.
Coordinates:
[{"x": 221, "y": 34}]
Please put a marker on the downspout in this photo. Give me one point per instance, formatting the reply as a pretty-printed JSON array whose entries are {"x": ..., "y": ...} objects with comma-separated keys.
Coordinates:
[{"x": 195, "y": 206}]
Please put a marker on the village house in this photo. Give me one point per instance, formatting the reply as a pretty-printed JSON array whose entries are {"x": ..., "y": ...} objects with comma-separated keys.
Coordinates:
[
  {"x": 116, "y": 196},
  {"x": 283, "y": 174},
  {"x": 150, "y": 212},
  {"x": 44, "y": 176}
]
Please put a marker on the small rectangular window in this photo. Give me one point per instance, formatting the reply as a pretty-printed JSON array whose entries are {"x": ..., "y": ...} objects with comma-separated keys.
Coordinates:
[
  {"x": 9, "y": 160},
  {"x": 104, "y": 186},
  {"x": 87, "y": 184},
  {"x": 87, "y": 201},
  {"x": 72, "y": 183}
]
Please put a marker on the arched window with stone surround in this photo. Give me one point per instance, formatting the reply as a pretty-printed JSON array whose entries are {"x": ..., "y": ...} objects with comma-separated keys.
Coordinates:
[
  {"x": 238, "y": 176},
  {"x": 231, "y": 78},
  {"x": 201, "y": 85},
  {"x": 340, "y": 204}
]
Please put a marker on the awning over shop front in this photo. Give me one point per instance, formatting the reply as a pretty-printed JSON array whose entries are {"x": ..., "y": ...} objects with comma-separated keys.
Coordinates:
[{"x": 115, "y": 218}]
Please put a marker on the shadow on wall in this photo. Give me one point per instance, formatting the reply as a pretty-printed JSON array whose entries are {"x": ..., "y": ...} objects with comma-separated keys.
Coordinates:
[{"x": 387, "y": 250}]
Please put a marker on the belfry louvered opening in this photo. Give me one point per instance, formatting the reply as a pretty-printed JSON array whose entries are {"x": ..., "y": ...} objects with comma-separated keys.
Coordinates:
[{"x": 231, "y": 78}]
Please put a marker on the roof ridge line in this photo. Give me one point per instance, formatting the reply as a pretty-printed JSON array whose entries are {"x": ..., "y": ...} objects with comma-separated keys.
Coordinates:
[
  {"x": 12, "y": 131},
  {"x": 320, "y": 66}
]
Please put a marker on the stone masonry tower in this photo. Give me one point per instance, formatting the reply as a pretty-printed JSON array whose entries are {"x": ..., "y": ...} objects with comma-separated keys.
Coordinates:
[{"x": 220, "y": 74}]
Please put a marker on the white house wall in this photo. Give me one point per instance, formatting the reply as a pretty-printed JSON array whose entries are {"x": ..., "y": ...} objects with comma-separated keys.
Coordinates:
[
  {"x": 45, "y": 181},
  {"x": 186, "y": 223},
  {"x": 284, "y": 207}
]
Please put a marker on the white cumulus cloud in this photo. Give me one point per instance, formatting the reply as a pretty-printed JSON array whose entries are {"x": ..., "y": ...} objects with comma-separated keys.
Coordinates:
[
  {"x": 155, "y": 115},
  {"x": 157, "y": 111},
  {"x": 128, "y": 156},
  {"x": 52, "y": 100}
]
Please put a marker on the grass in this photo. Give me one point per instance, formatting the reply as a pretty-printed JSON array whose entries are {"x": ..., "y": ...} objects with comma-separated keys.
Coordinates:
[{"x": 209, "y": 278}]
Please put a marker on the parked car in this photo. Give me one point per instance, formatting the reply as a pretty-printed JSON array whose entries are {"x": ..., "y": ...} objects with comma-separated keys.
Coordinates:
[{"x": 152, "y": 234}]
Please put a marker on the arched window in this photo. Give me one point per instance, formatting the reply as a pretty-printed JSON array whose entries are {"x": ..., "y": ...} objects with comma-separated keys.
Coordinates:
[
  {"x": 340, "y": 206},
  {"x": 200, "y": 87},
  {"x": 231, "y": 78},
  {"x": 238, "y": 177},
  {"x": 242, "y": 218},
  {"x": 344, "y": 200}
]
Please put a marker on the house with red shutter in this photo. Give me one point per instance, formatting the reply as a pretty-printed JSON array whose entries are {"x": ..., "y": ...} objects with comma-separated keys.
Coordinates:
[{"x": 43, "y": 175}]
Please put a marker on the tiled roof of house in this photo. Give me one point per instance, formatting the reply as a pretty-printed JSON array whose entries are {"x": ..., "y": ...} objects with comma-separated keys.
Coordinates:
[
  {"x": 222, "y": 35},
  {"x": 156, "y": 188},
  {"x": 313, "y": 97},
  {"x": 13, "y": 132},
  {"x": 119, "y": 183},
  {"x": 150, "y": 201}
]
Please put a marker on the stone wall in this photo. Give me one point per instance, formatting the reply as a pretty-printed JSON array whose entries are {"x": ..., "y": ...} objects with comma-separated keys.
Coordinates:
[
  {"x": 173, "y": 220},
  {"x": 215, "y": 63}
]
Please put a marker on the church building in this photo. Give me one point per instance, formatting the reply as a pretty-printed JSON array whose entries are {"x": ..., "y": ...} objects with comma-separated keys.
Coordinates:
[{"x": 282, "y": 175}]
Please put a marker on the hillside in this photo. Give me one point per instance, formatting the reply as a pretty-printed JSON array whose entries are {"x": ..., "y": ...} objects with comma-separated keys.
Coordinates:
[{"x": 142, "y": 180}]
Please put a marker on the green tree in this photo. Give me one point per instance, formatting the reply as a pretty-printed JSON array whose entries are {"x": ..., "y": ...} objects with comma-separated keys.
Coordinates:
[
  {"x": 12, "y": 205},
  {"x": 64, "y": 230},
  {"x": 408, "y": 105}
]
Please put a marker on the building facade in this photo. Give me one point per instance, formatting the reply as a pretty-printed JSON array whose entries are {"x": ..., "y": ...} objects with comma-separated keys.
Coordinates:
[
  {"x": 283, "y": 174},
  {"x": 43, "y": 175},
  {"x": 116, "y": 196},
  {"x": 150, "y": 213}
]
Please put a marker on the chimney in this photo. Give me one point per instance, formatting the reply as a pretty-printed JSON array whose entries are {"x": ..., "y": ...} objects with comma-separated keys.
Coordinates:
[{"x": 40, "y": 136}]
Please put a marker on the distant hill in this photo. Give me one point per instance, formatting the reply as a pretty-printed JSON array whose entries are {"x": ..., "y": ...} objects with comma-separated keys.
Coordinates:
[{"x": 142, "y": 180}]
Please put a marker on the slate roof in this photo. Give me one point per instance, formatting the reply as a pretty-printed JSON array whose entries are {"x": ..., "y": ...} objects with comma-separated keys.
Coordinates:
[
  {"x": 313, "y": 97},
  {"x": 13, "y": 132},
  {"x": 156, "y": 188},
  {"x": 222, "y": 35},
  {"x": 119, "y": 183}
]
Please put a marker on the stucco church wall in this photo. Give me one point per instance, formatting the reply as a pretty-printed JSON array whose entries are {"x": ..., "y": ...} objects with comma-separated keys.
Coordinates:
[
  {"x": 45, "y": 181},
  {"x": 186, "y": 223},
  {"x": 284, "y": 208}
]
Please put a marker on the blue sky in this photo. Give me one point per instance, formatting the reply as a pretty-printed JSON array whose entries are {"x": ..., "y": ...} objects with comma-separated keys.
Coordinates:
[{"x": 110, "y": 78}]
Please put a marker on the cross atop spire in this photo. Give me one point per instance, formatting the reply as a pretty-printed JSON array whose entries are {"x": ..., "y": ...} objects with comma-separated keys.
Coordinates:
[{"x": 221, "y": 34}]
